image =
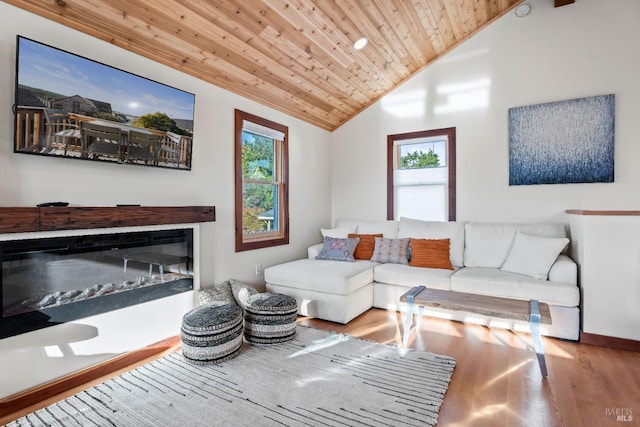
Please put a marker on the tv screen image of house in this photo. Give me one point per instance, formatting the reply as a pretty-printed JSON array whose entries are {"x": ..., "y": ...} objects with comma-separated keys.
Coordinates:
[{"x": 70, "y": 106}]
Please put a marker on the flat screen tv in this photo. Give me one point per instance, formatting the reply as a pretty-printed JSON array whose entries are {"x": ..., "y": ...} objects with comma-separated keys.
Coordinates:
[{"x": 70, "y": 106}]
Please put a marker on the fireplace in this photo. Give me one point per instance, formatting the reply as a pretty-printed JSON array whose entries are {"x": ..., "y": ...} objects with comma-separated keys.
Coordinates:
[{"x": 49, "y": 281}]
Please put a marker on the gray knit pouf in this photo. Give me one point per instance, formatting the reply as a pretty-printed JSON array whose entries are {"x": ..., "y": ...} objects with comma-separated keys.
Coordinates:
[
  {"x": 270, "y": 318},
  {"x": 211, "y": 333}
]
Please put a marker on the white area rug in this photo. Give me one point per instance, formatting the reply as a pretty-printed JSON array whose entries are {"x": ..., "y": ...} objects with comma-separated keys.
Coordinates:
[{"x": 317, "y": 379}]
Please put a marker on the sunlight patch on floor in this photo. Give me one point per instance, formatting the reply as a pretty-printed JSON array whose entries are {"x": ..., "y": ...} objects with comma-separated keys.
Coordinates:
[
  {"x": 552, "y": 348},
  {"x": 506, "y": 373},
  {"x": 329, "y": 341},
  {"x": 363, "y": 331}
]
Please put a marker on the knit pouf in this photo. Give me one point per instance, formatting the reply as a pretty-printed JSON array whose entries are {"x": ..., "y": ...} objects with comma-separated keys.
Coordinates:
[
  {"x": 211, "y": 333},
  {"x": 270, "y": 318}
]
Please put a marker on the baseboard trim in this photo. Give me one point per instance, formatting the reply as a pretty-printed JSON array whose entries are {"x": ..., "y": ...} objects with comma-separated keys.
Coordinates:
[{"x": 610, "y": 342}]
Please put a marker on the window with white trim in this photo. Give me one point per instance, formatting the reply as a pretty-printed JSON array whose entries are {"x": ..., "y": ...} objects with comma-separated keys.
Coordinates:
[{"x": 261, "y": 184}]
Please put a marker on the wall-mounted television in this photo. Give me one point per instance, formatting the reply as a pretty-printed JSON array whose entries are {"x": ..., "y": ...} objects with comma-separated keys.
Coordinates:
[{"x": 70, "y": 106}]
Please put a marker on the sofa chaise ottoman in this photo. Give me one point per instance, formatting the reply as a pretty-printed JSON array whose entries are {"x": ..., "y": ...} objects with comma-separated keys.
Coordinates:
[{"x": 332, "y": 290}]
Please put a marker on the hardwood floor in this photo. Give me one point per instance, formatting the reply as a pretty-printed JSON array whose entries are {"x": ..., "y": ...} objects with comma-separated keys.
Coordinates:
[{"x": 496, "y": 381}]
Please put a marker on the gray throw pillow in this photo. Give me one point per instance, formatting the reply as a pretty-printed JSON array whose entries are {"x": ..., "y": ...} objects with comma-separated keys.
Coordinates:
[
  {"x": 391, "y": 250},
  {"x": 218, "y": 293},
  {"x": 337, "y": 249},
  {"x": 241, "y": 292}
]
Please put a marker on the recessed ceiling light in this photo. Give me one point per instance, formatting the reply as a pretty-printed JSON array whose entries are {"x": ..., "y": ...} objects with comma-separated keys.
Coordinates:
[
  {"x": 523, "y": 10},
  {"x": 360, "y": 43}
]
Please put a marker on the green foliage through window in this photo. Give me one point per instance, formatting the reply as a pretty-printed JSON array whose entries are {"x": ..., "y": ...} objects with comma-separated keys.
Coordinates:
[
  {"x": 257, "y": 157},
  {"x": 419, "y": 160},
  {"x": 258, "y": 194}
]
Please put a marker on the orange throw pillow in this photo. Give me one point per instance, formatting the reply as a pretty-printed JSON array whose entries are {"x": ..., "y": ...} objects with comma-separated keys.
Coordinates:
[
  {"x": 430, "y": 253},
  {"x": 364, "y": 250}
]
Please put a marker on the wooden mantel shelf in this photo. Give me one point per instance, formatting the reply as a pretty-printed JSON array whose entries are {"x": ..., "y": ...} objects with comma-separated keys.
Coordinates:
[
  {"x": 24, "y": 220},
  {"x": 602, "y": 212}
]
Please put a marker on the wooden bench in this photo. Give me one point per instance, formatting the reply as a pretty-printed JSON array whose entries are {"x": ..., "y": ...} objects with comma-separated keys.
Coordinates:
[{"x": 503, "y": 308}]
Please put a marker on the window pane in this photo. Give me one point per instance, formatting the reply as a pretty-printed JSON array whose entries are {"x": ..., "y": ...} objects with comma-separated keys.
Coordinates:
[
  {"x": 420, "y": 176},
  {"x": 259, "y": 202},
  {"x": 425, "y": 202},
  {"x": 421, "y": 193},
  {"x": 261, "y": 182},
  {"x": 257, "y": 157},
  {"x": 423, "y": 154}
]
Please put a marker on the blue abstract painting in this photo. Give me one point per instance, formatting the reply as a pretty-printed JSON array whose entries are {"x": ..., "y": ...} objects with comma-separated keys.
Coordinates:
[{"x": 562, "y": 142}]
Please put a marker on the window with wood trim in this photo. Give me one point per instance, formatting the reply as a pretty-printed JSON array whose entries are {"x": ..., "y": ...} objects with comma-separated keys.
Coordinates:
[
  {"x": 261, "y": 182},
  {"x": 421, "y": 175}
]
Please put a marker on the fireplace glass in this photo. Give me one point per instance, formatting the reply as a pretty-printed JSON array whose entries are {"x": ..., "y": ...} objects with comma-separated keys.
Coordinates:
[{"x": 54, "y": 280}]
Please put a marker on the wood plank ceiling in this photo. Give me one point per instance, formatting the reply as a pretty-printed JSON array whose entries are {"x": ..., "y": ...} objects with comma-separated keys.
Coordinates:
[{"x": 292, "y": 55}]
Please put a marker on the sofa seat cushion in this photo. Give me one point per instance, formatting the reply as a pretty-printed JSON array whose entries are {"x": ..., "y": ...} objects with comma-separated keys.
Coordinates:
[
  {"x": 332, "y": 277},
  {"x": 494, "y": 282},
  {"x": 404, "y": 275}
]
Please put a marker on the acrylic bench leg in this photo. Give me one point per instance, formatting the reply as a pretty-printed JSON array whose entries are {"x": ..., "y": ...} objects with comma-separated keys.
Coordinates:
[
  {"x": 407, "y": 322},
  {"x": 534, "y": 323},
  {"x": 419, "y": 319}
]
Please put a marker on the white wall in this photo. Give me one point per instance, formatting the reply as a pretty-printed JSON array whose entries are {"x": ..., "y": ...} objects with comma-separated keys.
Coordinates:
[
  {"x": 606, "y": 249},
  {"x": 28, "y": 180},
  {"x": 584, "y": 49}
]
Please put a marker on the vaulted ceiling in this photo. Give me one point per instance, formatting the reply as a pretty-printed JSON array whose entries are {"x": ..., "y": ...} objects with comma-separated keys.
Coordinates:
[{"x": 292, "y": 55}]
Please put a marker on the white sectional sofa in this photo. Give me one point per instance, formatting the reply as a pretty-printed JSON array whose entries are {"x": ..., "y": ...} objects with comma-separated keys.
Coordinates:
[{"x": 520, "y": 261}]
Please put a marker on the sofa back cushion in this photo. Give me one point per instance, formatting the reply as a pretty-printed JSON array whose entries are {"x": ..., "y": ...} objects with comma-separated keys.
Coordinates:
[
  {"x": 338, "y": 232},
  {"x": 419, "y": 229},
  {"x": 388, "y": 228},
  {"x": 533, "y": 255},
  {"x": 544, "y": 229},
  {"x": 489, "y": 244}
]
